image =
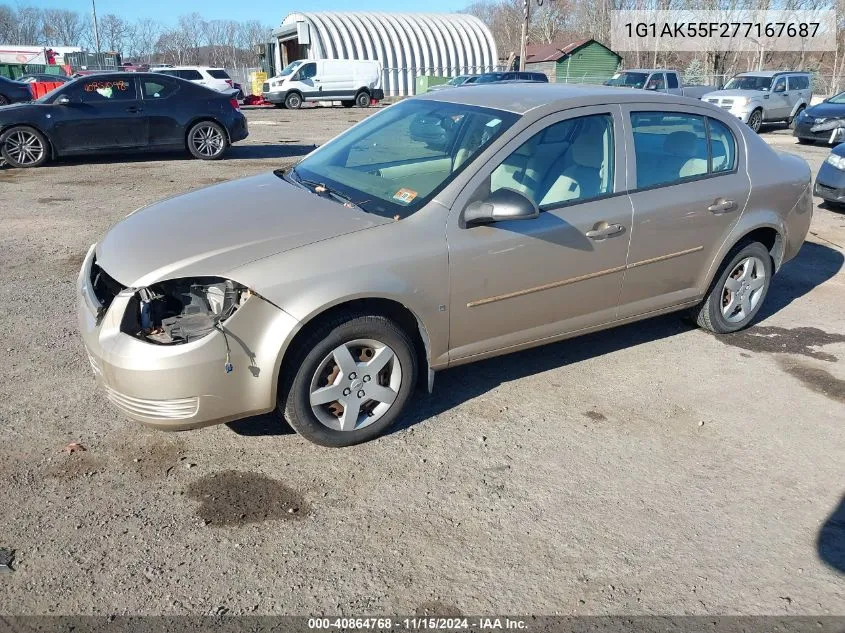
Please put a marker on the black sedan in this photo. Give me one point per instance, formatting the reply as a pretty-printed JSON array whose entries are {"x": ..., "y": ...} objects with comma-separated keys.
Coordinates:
[
  {"x": 14, "y": 91},
  {"x": 815, "y": 116},
  {"x": 121, "y": 112},
  {"x": 830, "y": 181}
]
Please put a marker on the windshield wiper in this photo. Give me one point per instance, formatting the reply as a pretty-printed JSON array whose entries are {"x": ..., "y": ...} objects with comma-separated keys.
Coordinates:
[{"x": 321, "y": 188}]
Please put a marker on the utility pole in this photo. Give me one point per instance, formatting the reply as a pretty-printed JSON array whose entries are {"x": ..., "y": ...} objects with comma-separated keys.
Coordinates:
[
  {"x": 523, "y": 38},
  {"x": 96, "y": 28}
]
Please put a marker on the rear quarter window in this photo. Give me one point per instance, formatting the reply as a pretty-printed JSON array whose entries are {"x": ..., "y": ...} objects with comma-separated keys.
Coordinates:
[{"x": 219, "y": 74}]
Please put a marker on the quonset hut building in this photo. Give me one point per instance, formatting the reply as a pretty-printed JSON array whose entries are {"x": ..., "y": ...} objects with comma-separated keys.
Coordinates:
[{"x": 407, "y": 45}]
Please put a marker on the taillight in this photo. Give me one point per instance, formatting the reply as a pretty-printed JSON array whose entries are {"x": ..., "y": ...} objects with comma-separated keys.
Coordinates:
[
  {"x": 229, "y": 81},
  {"x": 235, "y": 104}
]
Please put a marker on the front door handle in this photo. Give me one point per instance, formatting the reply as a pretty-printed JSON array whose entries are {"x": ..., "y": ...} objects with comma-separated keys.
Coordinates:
[
  {"x": 604, "y": 230},
  {"x": 721, "y": 205}
]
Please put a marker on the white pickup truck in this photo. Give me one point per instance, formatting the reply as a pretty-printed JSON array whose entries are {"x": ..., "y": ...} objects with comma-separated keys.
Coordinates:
[{"x": 658, "y": 79}]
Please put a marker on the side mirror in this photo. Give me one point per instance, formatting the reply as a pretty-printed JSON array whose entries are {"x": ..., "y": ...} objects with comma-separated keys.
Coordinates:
[
  {"x": 501, "y": 205},
  {"x": 63, "y": 100}
]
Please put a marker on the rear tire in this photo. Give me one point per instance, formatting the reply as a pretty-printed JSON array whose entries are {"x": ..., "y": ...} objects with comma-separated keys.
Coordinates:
[
  {"x": 362, "y": 99},
  {"x": 314, "y": 367},
  {"x": 738, "y": 291},
  {"x": 207, "y": 140},
  {"x": 293, "y": 101},
  {"x": 24, "y": 147}
]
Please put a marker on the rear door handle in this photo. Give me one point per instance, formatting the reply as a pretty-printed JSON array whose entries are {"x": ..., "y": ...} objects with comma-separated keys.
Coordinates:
[
  {"x": 722, "y": 206},
  {"x": 605, "y": 230}
]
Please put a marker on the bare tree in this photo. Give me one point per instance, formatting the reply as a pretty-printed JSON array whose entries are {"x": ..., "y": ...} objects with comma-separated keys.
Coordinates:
[
  {"x": 28, "y": 25},
  {"x": 62, "y": 27},
  {"x": 113, "y": 32}
]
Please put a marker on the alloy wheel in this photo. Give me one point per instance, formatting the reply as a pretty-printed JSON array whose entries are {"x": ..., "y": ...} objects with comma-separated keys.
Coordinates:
[
  {"x": 25, "y": 148},
  {"x": 355, "y": 385},
  {"x": 743, "y": 289},
  {"x": 755, "y": 120},
  {"x": 208, "y": 140}
]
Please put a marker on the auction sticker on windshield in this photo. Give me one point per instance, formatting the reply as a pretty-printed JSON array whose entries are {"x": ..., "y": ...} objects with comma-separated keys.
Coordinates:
[{"x": 405, "y": 196}]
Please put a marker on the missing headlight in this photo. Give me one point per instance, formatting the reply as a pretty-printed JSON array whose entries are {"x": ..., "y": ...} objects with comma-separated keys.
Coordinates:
[{"x": 183, "y": 310}]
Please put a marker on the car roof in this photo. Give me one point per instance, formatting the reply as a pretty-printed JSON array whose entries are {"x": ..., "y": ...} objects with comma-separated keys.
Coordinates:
[
  {"x": 771, "y": 73},
  {"x": 520, "y": 97},
  {"x": 648, "y": 70}
]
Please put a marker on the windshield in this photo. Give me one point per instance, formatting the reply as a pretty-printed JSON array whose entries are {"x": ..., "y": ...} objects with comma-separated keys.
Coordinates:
[
  {"x": 48, "y": 98},
  {"x": 749, "y": 82},
  {"x": 287, "y": 70},
  {"x": 394, "y": 162},
  {"x": 628, "y": 80},
  {"x": 840, "y": 98}
]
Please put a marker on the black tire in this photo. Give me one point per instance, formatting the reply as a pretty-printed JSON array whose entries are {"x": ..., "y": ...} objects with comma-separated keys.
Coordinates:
[
  {"x": 4, "y": 100},
  {"x": 294, "y": 389},
  {"x": 708, "y": 314},
  {"x": 8, "y": 150},
  {"x": 221, "y": 143},
  {"x": 805, "y": 141},
  {"x": 791, "y": 121},
  {"x": 362, "y": 99},
  {"x": 293, "y": 101},
  {"x": 347, "y": 104},
  {"x": 755, "y": 120}
]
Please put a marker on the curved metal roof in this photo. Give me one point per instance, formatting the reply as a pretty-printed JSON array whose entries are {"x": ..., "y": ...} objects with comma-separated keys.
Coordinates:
[{"x": 408, "y": 45}]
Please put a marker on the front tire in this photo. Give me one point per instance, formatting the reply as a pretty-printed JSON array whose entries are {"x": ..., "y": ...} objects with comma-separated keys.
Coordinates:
[
  {"x": 293, "y": 101},
  {"x": 207, "y": 140},
  {"x": 24, "y": 147},
  {"x": 755, "y": 120},
  {"x": 805, "y": 141},
  {"x": 349, "y": 381},
  {"x": 738, "y": 292},
  {"x": 362, "y": 99}
]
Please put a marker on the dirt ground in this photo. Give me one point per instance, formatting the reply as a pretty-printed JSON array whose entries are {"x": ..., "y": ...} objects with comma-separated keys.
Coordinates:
[{"x": 650, "y": 469}]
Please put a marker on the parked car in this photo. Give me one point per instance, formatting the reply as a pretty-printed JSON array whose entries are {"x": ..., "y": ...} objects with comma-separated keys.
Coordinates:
[
  {"x": 460, "y": 80},
  {"x": 548, "y": 211},
  {"x": 498, "y": 77},
  {"x": 809, "y": 121},
  {"x": 659, "y": 80},
  {"x": 765, "y": 96},
  {"x": 126, "y": 112},
  {"x": 352, "y": 82},
  {"x": 32, "y": 78},
  {"x": 14, "y": 91},
  {"x": 215, "y": 78},
  {"x": 830, "y": 181}
]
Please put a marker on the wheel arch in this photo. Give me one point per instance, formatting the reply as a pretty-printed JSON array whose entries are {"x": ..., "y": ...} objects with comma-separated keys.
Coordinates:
[
  {"x": 392, "y": 309},
  {"x": 50, "y": 145},
  {"x": 200, "y": 119},
  {"x": 768, "y": 234}
]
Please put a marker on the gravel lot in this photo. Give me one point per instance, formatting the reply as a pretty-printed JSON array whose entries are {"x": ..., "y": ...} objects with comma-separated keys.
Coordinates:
[{"x": 649, "y": 469}]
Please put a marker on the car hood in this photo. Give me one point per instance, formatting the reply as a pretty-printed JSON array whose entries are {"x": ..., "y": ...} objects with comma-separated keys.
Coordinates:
[
  {"x": 750, "y": 94},
  {"x": 211, "y": 231},
  {"x": 826, "y": 111}
]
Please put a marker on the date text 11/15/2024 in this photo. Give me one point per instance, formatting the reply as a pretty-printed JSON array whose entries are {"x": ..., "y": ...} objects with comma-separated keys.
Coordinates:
[{"x": 417, "y": 623}]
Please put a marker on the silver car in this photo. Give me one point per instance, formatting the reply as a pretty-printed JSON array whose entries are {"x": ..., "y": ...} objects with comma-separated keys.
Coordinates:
[
  {"x": 445, "y": 229},
  {"x": 765, "y": 96}
]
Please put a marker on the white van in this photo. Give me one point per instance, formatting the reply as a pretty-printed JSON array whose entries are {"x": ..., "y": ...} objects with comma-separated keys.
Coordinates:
[{"x": 350, "y": 81}]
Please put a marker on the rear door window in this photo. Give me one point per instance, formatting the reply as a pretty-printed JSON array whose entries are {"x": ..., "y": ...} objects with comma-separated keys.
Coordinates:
[
  {"x": 672, "y": 80},
  {"x": 189, "y": 74},
  {"x": 158, "y": 88},
  {"x": 671, "y": 147}
]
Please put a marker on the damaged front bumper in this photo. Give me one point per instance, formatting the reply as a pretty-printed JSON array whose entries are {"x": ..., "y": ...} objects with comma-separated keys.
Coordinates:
[{"x": 184, "y": 386}]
